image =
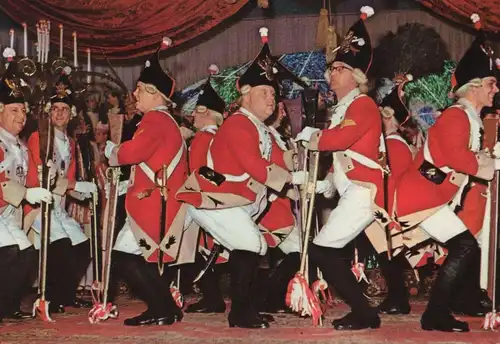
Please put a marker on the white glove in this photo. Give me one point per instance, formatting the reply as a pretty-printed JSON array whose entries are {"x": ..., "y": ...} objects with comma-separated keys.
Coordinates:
[
  {"x": 109, "y": 148},
  {"x": 85, "y": 187},
  {"x": 305, "y": 134},
  {"x": 37, "y": 195},
  {"x": 298, "y": 178},
  {"x": 323, "y": 186},
  {"x": 496, "y": 150}
]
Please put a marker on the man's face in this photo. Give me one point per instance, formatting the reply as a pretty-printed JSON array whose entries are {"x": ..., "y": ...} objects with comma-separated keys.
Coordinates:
[
  {"x": 60, "y": 114},
  {"x": 13, "y": 118},
  {"x": 486, "y": 93},
  {"x": 262, "y": 101},
  {"x": 341, "y": 76},
  {"x": 200, "y": 119},
  {"x": 145, "y": 100}
]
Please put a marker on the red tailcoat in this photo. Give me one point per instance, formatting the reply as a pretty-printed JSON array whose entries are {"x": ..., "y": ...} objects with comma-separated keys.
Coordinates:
[
  {"x": 198, "y": 158},
  {"x": 360, "y": 132},
  {"x": 235, "y": 151},
  {"x": 198, "y": 150},
  {"x": 400, "y": 159},
  {"x": 448, "y": 142},
  {"x": 156, "y": 142}
]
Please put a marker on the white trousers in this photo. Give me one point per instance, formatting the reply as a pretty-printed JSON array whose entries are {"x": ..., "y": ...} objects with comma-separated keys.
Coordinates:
[
  {"x": 125, "y": 241},
  {"x": 234, "y": 228},
  {"x": 351, "y": 216},
  {"x": 62, "y": 226},
  {"x": 443, "y": 225},
  {"x": 292, "y": 242}
]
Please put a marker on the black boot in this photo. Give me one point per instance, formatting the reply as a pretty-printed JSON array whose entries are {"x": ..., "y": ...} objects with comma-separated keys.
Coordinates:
[
  {"x": 22, "y": 274},
  {"x": 278, "y": 283},
  {"x": 9, "y": 256},
  {"x": 461, "y": 252},
  {"x": 337, "y": 273},
  {"x": 146, "y": 283},
  {"x": 58, "y": 264},
  {"x": 243, "y": 265},
  {"x": 212, "y": 301},
  {"x": 469, "y": 299},
  {"x": 76, "y": 262},
  {"x": 396, "y": 301}
]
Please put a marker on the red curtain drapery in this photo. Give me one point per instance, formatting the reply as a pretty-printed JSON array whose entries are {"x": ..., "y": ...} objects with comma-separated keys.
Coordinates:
[
  {"x": 123, "y": 29},
  {"x": 459, "y": 11}
]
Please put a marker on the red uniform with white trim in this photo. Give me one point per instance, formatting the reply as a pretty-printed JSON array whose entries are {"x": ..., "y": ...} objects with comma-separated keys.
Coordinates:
[
  {"x": 17, "y": 172},
  {"x": 156, "y": 142},
  {"x": 354, "y": 138},
  {"x": 198, "y": 158},
  {"x": 246, "y": 154},
  {"x": 453, "y": 145},
  {"x": 235, "y": 152}
]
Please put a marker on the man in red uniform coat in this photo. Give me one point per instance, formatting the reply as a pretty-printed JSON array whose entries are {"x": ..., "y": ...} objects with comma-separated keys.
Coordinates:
[
  {"x": 156, "y": 142},
  {"x": 207, "y": 119},
  {"x": 429, "y": 191},
  {"x": 69, "y": 249},
  {"x": 230, "y": 193},
  {"x": 17, "y": 173},
  {"x": 396, "y": 118},
  {"x": 354, "y": 137}
]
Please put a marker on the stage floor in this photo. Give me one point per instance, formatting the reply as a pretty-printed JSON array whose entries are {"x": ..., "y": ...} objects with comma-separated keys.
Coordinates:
[{"x": 73, "y": 327}]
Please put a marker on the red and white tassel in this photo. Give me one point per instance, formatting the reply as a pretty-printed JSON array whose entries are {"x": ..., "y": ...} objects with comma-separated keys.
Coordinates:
[
  {"x": 263, "y": 35},
  {"x": 497, "y": 63},
  {"x": 366, "y": 12},
  {"x": 476, "y": 19}
]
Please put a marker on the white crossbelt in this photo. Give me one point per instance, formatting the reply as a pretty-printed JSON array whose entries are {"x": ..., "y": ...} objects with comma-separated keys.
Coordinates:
[{"x": 175, "y": 161}]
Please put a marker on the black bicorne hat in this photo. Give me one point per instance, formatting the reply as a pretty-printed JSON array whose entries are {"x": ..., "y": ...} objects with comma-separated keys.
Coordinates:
[
  {"x": 355, "y": 49},
  {"x": 209, "y": 98},
  {"x": 11, "y": 86},
  {"x": 153, "y": 73},
  {"x": 262, "y": 70},
  {"x": 477, "y": 62}
]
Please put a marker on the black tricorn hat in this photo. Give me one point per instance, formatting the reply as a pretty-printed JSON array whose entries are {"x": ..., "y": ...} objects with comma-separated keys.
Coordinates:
[
  {"x": 10, "y": 86},
  {"x": 208, "y": 97},
  {"x": 262, "y": 70},
  {"x": 396, "y": 101},
  {"x": 356, "y": 49},
  {"x": 153, "y": 73},
  {"x": 477, "y": 62}
]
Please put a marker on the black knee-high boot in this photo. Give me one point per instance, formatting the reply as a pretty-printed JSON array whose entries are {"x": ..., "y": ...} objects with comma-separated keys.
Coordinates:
[
  {"x": 278, "y": 282},
  {"x": 8, "y": 257},
  {"x": 21, "y": 275},
  {"x": 146, "y": 283},
  {"x": 461, "y": 252},
  {"x": 76, "y": 268},
  {"x": 58, "y": 261},
  {"x": 338, "y": 274},
  {"x": 243, "y": 265},
  {"x": 468, "y": 298},
  {"x": 396, "y": 301},
  {"x": 212, "y": 301}
]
